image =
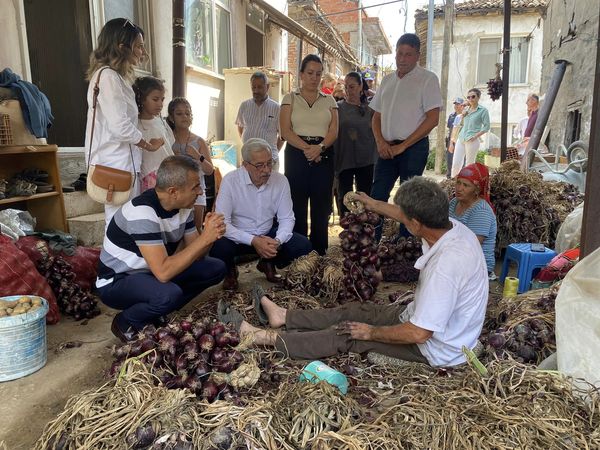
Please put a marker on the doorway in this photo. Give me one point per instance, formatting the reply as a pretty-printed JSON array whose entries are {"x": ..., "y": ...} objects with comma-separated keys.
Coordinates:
[
  {"x": 254, "y": 47},
  {"x": 59, "y": 41}
]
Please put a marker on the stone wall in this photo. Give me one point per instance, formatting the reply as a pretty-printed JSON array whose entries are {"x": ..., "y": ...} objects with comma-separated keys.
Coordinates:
[{"x": 570, "y": 33}]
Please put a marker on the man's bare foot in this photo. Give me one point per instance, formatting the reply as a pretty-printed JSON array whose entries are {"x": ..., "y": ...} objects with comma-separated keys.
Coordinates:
[
  {"x": 275, "y": 313},
  {"x": 260, "y": 337}
]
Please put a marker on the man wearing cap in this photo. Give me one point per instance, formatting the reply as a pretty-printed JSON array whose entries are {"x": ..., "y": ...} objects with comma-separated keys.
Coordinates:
[
  {"x": 453, "y": 119},
  {"x": 368, "y": 77},
  {"x": 407, "y": 107}
]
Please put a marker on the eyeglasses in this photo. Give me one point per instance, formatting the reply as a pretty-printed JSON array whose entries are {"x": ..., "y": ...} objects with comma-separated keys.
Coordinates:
[
  {"x": 471, "y": 96},
  {"x": 262, "y": 166}
]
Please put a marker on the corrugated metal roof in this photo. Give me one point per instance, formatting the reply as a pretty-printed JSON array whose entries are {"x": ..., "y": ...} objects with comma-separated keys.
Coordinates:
[{"x": 486, "y": 6}]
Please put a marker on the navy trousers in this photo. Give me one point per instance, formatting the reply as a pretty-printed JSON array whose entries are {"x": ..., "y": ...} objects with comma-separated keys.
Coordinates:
[
  {"x": 404, "y": 166},
  {"x": 226, "y": 250},
  {"x": 143, "y": 298}
]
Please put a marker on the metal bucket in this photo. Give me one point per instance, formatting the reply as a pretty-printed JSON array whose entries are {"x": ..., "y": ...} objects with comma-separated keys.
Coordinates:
[{"x": 22, "y": 341}]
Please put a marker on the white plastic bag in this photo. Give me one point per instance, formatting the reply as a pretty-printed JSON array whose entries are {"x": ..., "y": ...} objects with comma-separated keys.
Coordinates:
[
  {"x": 569, "y": 233},
  {"x": 578, "y": 320}
]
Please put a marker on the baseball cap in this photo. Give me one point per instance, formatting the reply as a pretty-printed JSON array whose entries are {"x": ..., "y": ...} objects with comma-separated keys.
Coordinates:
[{"x": 458, "y": 100}]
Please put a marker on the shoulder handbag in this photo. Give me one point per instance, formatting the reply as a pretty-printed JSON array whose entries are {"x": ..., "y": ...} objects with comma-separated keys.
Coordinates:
[{"x": 106, "y": 184}]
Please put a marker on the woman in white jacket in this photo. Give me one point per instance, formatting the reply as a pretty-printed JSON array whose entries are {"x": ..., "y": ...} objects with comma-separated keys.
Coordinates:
[{"x": 117, "y": 142}]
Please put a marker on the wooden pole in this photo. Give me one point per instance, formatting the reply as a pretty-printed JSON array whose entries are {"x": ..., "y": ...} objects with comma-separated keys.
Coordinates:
[
  {"x": 429, "y": 32},
  {"x": 505, "y": 77},
  {"x": 440, "y": 151},
  {"x": 590, "y": 226},
  {"x": 178, "y": 48}
]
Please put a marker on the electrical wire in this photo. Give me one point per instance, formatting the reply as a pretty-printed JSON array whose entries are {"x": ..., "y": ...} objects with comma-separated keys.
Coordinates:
[{"x": 348, "y": 10}]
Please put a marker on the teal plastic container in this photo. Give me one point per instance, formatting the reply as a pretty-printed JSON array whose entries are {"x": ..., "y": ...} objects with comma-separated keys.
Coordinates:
[
  {"x": 318, "y": 371},
  {"x": 225, "y": 150},
  {"x": 22, "y": 342}
]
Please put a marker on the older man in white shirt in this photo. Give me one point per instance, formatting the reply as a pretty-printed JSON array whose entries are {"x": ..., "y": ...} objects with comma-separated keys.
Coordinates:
[{"x": 250, "y": 198}]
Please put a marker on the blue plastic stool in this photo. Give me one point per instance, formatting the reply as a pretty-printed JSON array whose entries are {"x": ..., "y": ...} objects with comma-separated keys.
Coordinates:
[{"x": 527, "y": 261}]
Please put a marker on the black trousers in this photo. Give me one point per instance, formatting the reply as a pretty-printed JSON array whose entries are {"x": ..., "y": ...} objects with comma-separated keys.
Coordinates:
[
  {"x": 362, "y": 176},
  {"x": 310, "y": 184}
]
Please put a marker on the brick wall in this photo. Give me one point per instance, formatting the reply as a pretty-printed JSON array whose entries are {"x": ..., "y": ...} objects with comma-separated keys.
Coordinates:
[{"x": 293, "y": 62}]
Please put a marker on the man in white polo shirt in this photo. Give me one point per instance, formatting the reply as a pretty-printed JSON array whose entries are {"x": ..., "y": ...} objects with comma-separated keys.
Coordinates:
[
  {"x": 249, "y": 199},
  {"x": 407, "y": 106},
  {"x": 447, "y": 312},
  {"x": 258, "y": 117}
]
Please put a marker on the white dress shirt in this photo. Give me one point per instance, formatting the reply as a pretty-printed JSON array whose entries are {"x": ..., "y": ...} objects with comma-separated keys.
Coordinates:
[
  {"x": 249, "y": 210},
  {"x": 115, "y": 132}
]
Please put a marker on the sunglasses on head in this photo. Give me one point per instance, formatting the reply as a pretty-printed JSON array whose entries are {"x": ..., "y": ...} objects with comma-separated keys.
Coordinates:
[{"x": 128, "y": 22}]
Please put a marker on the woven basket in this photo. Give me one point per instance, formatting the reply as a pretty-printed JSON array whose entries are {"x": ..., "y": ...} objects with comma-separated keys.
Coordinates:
[{"x": 6, "y": 137}]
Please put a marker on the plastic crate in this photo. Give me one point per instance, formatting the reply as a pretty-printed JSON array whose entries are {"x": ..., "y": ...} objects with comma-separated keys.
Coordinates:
[{"x": 22, "y": 342}]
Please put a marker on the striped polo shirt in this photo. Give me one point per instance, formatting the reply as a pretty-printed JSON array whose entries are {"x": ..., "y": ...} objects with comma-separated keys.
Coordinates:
[
  {"x": 481, "y": 220},
  {"x": 260, "y": 121},
  {"x": 140, "y": 221}
]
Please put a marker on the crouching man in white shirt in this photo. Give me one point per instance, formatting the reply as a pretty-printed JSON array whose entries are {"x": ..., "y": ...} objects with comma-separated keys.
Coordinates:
[
  {"x": 446, "y": 314},
  {"x": 250, "y": 198}
]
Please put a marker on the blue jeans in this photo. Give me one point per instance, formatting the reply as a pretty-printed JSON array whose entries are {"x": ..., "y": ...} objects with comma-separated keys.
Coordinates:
[
  {"x": 226, "y": 250},
  {"x": 409, "y": 164},
  {"x": 143, "y": 298}
]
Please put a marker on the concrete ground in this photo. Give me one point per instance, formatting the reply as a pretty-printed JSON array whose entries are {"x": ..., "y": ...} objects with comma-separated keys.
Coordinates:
[
  {"x": 79, "y": 354},
  {"x": 78, "y": 357}
]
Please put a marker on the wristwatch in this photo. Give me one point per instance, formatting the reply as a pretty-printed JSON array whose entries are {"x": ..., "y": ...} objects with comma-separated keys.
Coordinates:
[
  {"x": 323, "y": 148},
  {"x": 202, "y": 158}
]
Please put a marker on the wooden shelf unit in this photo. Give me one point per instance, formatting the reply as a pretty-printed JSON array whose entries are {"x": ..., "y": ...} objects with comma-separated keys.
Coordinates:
[{"x": 48, "y": 208}]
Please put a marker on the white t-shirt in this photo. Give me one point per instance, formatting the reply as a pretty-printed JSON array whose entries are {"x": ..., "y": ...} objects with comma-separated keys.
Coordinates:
[
  {"x": 403, "y": 102},
  {"x": 451, "y": 296},
  {"x": 154, "y": 128}
]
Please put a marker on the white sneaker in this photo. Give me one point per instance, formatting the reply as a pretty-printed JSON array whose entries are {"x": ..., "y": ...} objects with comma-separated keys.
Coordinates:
[{"x": 492, "y": 276}]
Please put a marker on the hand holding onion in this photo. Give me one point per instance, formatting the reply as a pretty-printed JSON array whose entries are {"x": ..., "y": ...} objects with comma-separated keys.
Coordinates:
[{"x": 363, "y": 198}]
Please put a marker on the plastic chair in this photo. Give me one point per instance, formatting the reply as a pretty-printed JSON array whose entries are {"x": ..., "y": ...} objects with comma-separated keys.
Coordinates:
[{"x": 527, "y": 262}]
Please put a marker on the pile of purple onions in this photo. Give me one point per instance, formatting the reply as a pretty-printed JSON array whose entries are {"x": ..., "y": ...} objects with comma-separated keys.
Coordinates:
[
  {"x": 527, "y": 339},
  {"x": 398, "y": 259},
  {"x": 184, "y": 353},
  {"x": 361, "y": 263},
  {"x": 72, "y": 300}
]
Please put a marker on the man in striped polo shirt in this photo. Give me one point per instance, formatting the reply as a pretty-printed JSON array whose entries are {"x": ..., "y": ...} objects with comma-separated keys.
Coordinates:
[
  {"x": 258, "y": 117},
  {"x": 153, "y": 261}
]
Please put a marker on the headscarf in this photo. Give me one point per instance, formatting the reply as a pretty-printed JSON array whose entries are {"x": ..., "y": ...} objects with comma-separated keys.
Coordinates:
[{"x": 479, "y": 175}]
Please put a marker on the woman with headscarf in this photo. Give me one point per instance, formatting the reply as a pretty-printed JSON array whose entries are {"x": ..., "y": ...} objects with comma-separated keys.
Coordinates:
[{"x": 472, "y": 207}]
